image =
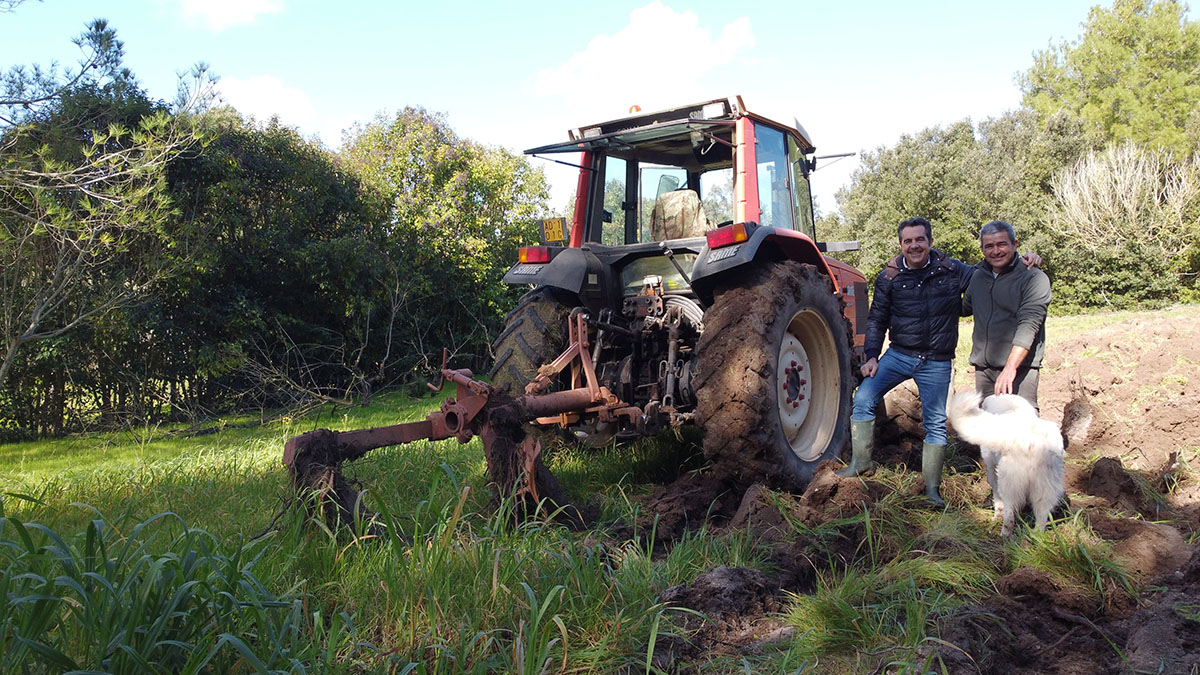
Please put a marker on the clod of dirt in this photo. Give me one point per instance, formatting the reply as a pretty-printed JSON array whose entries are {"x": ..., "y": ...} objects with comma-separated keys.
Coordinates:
[
  {"x": 1035, "y": 587},
  {"x": 1025, "y": 636},
  {"x": 692, "y": 499},
  {"x": 727, "y": 591},
  {"x": 1077, "y": 419},
  {"x": 902, "y": 415},
  {"x": 1120, "y": 491},
  {"x": 761, "y": 514},
  {"x": 736, "y": 603},
  {"x": 829, "y": 497},
  {"x": 1146, "y": 550},
  {"x": 1036, "y": 626}
]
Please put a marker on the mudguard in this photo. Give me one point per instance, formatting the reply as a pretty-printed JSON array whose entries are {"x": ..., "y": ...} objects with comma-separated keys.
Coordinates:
[
  {"x": 764, "y": 243},
  {"x": 567, "y": 269},
  {"x": 767, "y": 243}
]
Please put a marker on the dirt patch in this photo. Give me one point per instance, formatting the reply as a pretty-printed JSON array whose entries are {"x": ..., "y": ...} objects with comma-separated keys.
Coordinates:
[
  {"x": 1036, "y": 626},
  {"x": 689, "y": 501},
  {"x": 1164, "y": 634},
  {"x": 1140, "y": 374},
  {"x": 1125, "y": 394}
]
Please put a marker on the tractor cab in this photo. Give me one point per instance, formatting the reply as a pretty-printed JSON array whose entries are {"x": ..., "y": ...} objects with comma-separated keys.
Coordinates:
[{"x": 679, "y": 173}]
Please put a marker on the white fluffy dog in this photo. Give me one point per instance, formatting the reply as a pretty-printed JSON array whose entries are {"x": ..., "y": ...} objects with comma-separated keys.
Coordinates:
[{"x": 1023, "y": 453}]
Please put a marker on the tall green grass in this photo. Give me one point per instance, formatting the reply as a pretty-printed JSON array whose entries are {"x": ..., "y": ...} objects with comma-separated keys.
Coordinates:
[
  {"x": 154, "y": 596},
  {"x": 181, "y": 579}
]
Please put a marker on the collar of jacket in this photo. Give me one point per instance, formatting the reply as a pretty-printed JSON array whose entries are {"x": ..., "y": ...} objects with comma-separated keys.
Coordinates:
[{"x": 895, "y": 266}]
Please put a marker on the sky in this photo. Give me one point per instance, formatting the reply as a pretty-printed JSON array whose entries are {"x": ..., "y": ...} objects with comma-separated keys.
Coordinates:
[{"x": 856, "y": 75}]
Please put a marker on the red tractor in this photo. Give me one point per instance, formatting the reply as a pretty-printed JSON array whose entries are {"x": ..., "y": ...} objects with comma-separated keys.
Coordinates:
[{"x": 689, "y": 287}]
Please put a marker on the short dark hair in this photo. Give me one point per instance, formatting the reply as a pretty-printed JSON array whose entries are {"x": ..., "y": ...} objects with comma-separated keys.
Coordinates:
[
  {"x": 998, "y": 226},
  {"x": 912, "y": 222}
]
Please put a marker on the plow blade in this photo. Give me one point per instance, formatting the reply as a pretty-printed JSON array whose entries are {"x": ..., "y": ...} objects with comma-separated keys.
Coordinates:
[{"x": 314, "y": 459}]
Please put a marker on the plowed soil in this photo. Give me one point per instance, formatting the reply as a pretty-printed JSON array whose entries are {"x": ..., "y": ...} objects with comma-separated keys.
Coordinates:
[{"x": 1126, "y": 394}]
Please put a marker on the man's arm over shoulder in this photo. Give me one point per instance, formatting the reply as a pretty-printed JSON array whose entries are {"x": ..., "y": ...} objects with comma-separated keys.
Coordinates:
[
  {"x": 1035, "y": 302},
  {"x": 969, "y": 275},
  {"x": 962, "y": 271}
]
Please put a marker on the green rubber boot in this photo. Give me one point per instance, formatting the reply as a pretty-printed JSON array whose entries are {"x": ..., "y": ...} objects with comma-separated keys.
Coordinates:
[
  {"x": 862, "y": 441},
  {"x": 932, "y": 457}
]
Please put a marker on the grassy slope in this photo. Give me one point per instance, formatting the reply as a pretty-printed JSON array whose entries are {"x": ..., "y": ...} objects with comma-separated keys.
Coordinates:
[{"x": 477, "y": 594}]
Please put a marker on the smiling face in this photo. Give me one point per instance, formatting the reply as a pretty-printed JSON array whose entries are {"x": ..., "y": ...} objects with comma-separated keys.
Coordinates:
[
  {"x": 998, "y": 249},
  {"x": 914, "y": 245}
]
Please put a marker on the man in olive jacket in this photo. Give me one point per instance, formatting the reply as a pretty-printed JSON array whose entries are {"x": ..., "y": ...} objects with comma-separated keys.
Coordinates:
[{"x": 1009, "y": 302}]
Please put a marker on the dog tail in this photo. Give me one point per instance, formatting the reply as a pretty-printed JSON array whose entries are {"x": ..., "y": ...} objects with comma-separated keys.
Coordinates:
[{"x": 972, "y": 423}]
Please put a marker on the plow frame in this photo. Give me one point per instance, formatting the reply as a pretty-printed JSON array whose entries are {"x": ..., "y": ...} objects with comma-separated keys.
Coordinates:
[{"x": 314, "y": 459}]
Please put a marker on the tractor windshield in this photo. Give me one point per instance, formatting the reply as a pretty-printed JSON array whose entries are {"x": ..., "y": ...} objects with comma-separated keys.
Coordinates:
[
  {"x": 675, "y": 184},
  {"x": 665, "y": 206}
]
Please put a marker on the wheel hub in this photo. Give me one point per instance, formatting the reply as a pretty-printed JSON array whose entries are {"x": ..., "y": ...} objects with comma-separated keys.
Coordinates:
[
  {"x": 796, "y": 389},
  {"x": 808, "y": 383}
]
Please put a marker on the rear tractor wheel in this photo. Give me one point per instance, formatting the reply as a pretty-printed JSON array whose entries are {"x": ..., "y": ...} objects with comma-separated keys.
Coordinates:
[
  {"x": 774, "y": 388},
  {"x": 534, "y": 334}
]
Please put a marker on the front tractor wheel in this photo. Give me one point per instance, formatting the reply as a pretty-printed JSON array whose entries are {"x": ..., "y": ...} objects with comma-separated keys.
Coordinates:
[{"x": 774, "y": 388}]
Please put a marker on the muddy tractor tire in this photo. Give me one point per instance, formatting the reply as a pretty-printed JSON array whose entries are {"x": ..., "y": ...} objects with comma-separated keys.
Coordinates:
[
  {"x": 774, "y": 387},
  {"x": 534, "y": 334}
]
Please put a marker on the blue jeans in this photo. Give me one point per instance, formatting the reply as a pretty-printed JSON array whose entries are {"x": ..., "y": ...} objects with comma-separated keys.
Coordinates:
[{"x": 933, "y": 385}]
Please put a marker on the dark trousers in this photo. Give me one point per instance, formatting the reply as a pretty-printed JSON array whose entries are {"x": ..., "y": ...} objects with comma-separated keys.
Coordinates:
[{"x": 1025, "y": 386}]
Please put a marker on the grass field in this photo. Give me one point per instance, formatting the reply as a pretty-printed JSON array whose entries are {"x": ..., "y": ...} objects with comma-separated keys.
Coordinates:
[{"x": 153, "y": 551}]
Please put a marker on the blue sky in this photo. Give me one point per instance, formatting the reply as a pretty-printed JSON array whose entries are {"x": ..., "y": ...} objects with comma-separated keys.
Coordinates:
[{"x": 856, "y": 74}]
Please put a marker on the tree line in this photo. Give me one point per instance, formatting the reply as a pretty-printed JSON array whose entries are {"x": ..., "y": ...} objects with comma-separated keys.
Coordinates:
[
  {"x": 174, "y": 261},
  {"x": 1098, "y": 169}
]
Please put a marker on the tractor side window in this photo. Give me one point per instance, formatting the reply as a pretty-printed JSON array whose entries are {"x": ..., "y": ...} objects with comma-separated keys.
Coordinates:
[
  {"x": 612, "y": 230},
  {"x": 774, "y": 173},
  {"x": 803, "y": 206}
]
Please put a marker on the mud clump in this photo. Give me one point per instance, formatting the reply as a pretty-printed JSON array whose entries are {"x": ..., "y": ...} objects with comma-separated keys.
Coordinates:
[
  {"x": 736, "y": 604},
  {"x": 1038, "y": 589},
  {"x": 1120, "y": 490},
  {"x": 1147, "y": 551},
  {"x": 727, "y": 591},
  {"x": 1025, "y": 636},
  {"x": 691, "y": 500}
]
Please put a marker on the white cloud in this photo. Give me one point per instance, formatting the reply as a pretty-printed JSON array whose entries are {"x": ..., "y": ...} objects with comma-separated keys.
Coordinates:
[
  {"x": 267, "y": 95},
  {"x": 330, "y": 130},
  {"x": 660, "y": 59},
  {"x": 221, "y": 14}
]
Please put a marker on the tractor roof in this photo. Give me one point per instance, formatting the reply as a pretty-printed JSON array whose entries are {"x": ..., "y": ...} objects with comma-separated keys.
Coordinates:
[{"x": 643, "y": 128}]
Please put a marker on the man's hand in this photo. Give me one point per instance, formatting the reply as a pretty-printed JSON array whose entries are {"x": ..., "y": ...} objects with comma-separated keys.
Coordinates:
[
  {"x": 1031, "y": 260},
  {"x": 1004, "y": 381},
  {"x": 868, "y": 369},
  {"x": 1008, "y": 374}
]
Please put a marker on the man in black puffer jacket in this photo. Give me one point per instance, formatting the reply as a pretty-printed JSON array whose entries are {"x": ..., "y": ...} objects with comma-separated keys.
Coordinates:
[{"x": 917, "y": 302}]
